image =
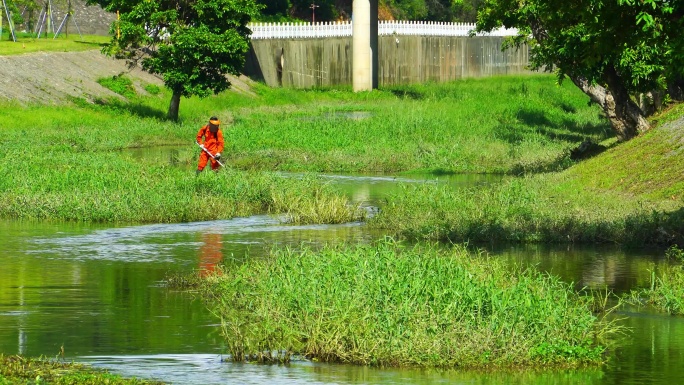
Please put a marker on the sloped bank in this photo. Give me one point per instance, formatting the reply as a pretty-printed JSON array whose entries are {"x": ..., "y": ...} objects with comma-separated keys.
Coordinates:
[
  {"x": 57, "y": 77},
  {"x": 632, "y": 194}
]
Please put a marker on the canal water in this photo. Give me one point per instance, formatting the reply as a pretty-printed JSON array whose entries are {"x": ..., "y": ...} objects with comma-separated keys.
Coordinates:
[{"x": 97, "y": 292}]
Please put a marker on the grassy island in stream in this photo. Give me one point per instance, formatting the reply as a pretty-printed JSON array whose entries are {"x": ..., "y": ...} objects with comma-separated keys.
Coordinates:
[
  {"x": 390, "y": 305},
  {"x": 17, "y": 370}
]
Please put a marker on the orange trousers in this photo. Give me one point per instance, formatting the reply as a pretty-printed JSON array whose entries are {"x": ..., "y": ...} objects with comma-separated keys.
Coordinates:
[{"x": 204, "y": 159}]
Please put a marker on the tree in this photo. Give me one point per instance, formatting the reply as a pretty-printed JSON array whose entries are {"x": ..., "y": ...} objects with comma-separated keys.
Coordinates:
[
  {"x": 609, "y": 49},
  {"x": 192, "y": 44}
]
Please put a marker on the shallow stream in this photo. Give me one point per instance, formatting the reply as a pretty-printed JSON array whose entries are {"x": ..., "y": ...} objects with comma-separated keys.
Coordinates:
[{"x": 97, "y": 291}]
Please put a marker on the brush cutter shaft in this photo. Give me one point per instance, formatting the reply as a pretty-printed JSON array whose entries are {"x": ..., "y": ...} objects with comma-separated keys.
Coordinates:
[{"x": 209, "y": 153}]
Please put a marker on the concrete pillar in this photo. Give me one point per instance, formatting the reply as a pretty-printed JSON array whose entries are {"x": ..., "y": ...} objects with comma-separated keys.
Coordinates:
[{"x": 364, "y": 44}]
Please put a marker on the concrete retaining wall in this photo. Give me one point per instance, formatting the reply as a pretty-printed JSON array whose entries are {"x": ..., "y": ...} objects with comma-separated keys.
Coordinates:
[
  {"x": 89, "y": 19},
  {"x": 306, "y": 63}
]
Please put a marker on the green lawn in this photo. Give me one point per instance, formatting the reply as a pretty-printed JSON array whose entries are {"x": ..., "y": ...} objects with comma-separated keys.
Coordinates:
[{"x": 30, "y": 43}]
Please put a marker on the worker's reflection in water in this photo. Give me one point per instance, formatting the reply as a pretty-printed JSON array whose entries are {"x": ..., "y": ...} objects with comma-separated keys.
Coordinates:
[{"x": 210, "y": 253}]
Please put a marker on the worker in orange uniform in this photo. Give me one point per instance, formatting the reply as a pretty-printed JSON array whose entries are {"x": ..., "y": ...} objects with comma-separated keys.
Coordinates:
[{"x": 213, "y": 143}]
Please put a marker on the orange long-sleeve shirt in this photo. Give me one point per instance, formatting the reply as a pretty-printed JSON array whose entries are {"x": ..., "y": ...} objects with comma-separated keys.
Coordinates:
[{"x": 213, "y": 142}]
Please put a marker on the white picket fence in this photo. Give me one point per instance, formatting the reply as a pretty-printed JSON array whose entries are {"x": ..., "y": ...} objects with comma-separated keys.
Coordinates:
[{"x": 344, "y": 28}]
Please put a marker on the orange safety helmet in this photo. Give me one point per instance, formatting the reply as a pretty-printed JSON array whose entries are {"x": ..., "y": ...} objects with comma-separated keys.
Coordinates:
[{"x": 214, "y": 123}]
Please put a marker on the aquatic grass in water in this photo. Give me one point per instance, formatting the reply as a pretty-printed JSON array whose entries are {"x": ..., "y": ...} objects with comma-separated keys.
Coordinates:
[
  {"x": 392, "y": 305},
  {"x": 22, "y": 370},
  {"x": 666, "y": 292}
]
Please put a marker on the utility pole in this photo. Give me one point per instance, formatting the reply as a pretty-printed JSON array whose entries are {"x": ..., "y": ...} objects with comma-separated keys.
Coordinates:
[{"x": 313, "y": 12}]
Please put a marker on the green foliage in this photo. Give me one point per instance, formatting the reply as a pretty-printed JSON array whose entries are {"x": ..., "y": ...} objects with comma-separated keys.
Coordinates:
[
  {"x": 193, "y": 45},
  {"x": 675, "y": 253},
  {"x": 391, "y": 305},
  {"x": 586, "y": 37},
  {"x": 153, "y": 89},
  {"x": 119, "y": 84},
  {"x": 623, "y": 47},
  {"x": 328, "y": 10}
]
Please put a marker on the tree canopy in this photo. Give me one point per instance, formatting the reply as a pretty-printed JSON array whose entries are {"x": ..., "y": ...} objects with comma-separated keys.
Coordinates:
[
  {"x": 329, "y": 10},
  {"x": 609, "y": 49},
  {"x": 192, "y": 44}
]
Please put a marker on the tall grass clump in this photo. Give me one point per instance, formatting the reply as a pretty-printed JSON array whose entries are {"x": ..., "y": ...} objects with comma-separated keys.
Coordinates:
[
  {"x": 24, "y": 370},
  {"x": 666, "y": 291},
  {"x": 390, "y": 305}
]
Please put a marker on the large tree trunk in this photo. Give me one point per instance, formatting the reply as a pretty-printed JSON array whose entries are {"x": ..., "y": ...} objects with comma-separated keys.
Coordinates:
[
  {"x": 624, "y": 115},
  {"x": 174, "y": 106}
]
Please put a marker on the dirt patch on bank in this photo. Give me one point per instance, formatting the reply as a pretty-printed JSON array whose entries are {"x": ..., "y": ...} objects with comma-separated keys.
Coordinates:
[{"x": 56, "y": 77}]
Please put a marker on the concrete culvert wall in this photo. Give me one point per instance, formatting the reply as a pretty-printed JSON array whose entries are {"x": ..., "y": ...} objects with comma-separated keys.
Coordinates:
[{"x": 323, "y": 62}]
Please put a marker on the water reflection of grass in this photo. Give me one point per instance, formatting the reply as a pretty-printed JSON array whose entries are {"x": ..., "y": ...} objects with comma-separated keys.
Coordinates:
[
  {"x": 391, "y": 305},
  {"x": 21, "y": 370}
]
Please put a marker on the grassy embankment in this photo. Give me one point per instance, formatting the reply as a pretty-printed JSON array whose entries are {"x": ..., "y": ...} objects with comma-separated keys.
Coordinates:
[
  {"x": 27, "y": 43},
  {"x": 65, "y": 162},
  {"x": 632, "y": 194},
  {"x": 15, "y": 370},
  {"x": 69, "y": 163},
  {"x": 390, "y": 305}
]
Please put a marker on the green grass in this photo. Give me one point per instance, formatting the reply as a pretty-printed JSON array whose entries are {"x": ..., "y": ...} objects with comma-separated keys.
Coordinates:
[
  {"x": 514, "y": 125},
  {"x": 121, "y": 85},
  {"x": 18, "y": 370},
  {"x": 106, "y": 187},
  {"x": 392, "y": 305},
  {"x": 27, "y": 43},
  {"x": 546, "y": 208},
  {"x": 73, "y": 168},
  {"x": 631, "y": 194},
  {"x": 496, "y": 125}
]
